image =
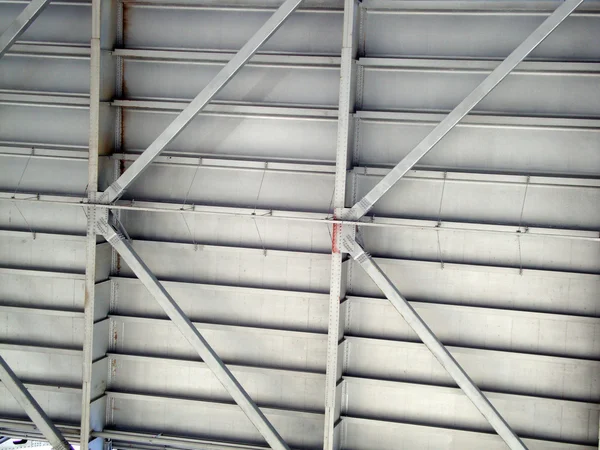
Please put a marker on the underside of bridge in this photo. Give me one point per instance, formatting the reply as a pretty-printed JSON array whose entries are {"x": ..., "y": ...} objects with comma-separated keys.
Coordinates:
[{"x": 249, "y": 224}]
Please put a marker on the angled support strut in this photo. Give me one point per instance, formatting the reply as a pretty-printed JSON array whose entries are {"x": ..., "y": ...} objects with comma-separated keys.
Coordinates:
[
  {"x": 32, "y": 408},
  {"x": 21, "y": 23},
  {"x": 192, "y": 335},
  {"x": 116, "y": 189},
  {"x": 479, "y": 93},
  {"x": 433, "y": 343}
]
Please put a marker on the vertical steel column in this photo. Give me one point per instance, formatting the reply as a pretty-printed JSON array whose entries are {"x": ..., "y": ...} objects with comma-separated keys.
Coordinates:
[
  {"x": 193, "y": 336},
  {"x": 116, "y": 189},
  {"x": 32, "y": 408},
  {"x": 92, "y": 187},
  {"x": 21, "y": 23},
  {"x": 337, "y": 290},
  {"x": 95, "y": 338},
  {"x": 434, "y": 345},
  {"x": 464, "y": 108}
]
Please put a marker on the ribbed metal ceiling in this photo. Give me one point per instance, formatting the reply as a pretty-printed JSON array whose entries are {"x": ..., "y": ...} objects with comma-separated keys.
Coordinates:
[{"x": 493, "y": 236}]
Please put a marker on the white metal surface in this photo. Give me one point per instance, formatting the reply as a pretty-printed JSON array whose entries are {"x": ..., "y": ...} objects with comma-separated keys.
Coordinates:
[
  {"x": 430, "y": 340},
  {"x": 217, "y": 83},
  {"x": 20, "y": 24},
  {"x": 236, "y": 217},
  {"x": 31, "y": 407},
  {"x": 192, "y": 335},
  {"x": 464, "y": 107},
  {"x": 337, "y": 290}
]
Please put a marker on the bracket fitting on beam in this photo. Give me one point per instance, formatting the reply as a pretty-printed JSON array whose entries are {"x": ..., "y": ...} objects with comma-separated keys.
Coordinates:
[
  {"x": 111, "y": 194},
  {"x": 102, "y": 224},
  {"x": 345, "y": 234}
]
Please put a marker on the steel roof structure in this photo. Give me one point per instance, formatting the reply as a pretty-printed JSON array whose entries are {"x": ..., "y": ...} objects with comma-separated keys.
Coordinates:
[{"x": 300, "y": 224}]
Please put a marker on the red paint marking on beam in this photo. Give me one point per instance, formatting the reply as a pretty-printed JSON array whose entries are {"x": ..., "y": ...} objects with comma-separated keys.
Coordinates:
[{"x": 334, "y": 237}]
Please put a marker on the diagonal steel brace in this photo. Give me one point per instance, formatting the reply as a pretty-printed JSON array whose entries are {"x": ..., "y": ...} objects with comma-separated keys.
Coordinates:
[
  {"x": 118, "y": 187},
  {"x": 32, "y": 408},
  {"x": 478, "y": 94},
  {"x": 191, "y": 333},
  {"x": 21, "y": 23},
  {"x": 350, "y": 245}
]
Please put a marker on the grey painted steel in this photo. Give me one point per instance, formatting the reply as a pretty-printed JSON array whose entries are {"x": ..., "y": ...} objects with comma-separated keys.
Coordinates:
[
  {"x": 45, "y": 73},
  {"x": 193, "y": 336},
  {"x": 367, "y": 434},
  {"x": 531, "y": 89},
  {"x": 21, "y": 23},
  {"x": 32, "y": 408},
  {"x": 434, "y": 345},
  {"x": 316, "y": 32},
  {"x": 236, "y": 344},
  {"x": 483, "y": 142},
  {"x": 91, "y": 248},
  {"x": 149, "y": 441},
  {"x": 467, "y": 198},
  {"x": 364, "y": 434},
  {"x": 464, "y": 107},
  {"x": 529, "y": 336},
  {"x": 222, "y": 57},
  {"x": 115, "y": 190},
  {"x": 337, "y": 290},
  {"x": 269, "y": 385},
  {"x": 72, "y": 206},
  {"x": 419, "y": 403},
  {"x": 478, "y": 29},
  {"x": 223, "y": 132},
  {"x": 250, "y": 267},
  {"x": 473, "y": 326},
  {"x": 280, "y": 83},
  {"x": 130, "y": 411}
]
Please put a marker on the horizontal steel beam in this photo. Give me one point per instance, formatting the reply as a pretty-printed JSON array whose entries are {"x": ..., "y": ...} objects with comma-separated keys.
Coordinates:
[
  {"x": 21, "y": 23},
  {"x": 41, "y": 349},
  {"x": 474, "y": 7},
  {"x": 32, "y": 408},
  {"x": 225, "y": 329},
  {"x": 222, "y": 57},
  {"x": 478, "y": 66},
  {"x": 27, "y": 98},
  {"x": 192, "y": 335},
  {"x": 366, "y": 433},
  {"x": 41, "y": 273},
  {"x": 244, "y": 164},
  {"x": 50, "y": 50},
  {"x": 166, "y": 400},
  {"x": 308, "y": 217},
  {"x": 482, "y": 120},
  {"x": 472, "y": 439},
  {"x": 331, "y": 114},
  {"x": 121, "y": 439},
  {"x": 311, "y": 377},
  {"x": 438, "y": 349},
  {"x": 477, "y": 95},
  {"x": 116, "y": 189},
  {"x": 41, "y": 311},
  {"x": 253, "y": 6},
  {"x": 25, "y": 429},
  {"x": 238, "y": 109},
  {"x": 138, "y": 440},
  {"x": 479, "y": 177},
  {"x": 580, "y": 366}
]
